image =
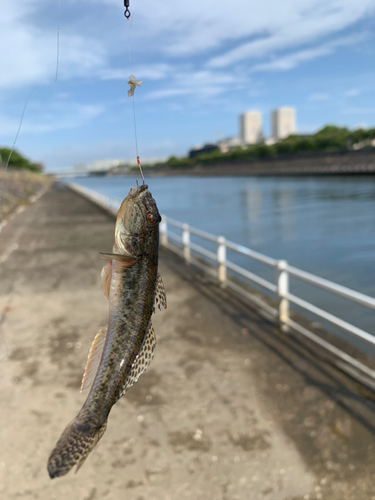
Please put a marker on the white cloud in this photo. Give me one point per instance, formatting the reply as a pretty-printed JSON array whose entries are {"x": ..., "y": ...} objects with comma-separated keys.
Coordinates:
[
  {"x": 300, "y": 22},
  {"x": 318, "y": 97},
  {"x": 100, "y": 50},
  {"x": 358, "y": 111},
  {"x": 251, "y": 28},
  {"x": 191, "y": 29},
  {"x": 199, "y": 84},
  {"x": 58, "y": 116},
  {"x": 28, "y": 53},
  {"x": 290, "y": 61},
  {"x": 352, "y": 93},
  {"x": 149, "y": 72},
  {"x": 89, "y": 47}
]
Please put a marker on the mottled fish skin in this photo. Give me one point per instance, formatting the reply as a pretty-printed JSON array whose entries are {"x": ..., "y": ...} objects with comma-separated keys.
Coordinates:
[{"x": 131, "y": 303}]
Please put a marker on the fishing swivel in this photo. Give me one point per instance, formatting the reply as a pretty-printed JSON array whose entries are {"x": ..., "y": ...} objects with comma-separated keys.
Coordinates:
[{"x": 127, "y": 11}]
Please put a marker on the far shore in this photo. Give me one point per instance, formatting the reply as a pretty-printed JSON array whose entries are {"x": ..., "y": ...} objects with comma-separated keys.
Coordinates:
[{"x": 360, "y": 162}]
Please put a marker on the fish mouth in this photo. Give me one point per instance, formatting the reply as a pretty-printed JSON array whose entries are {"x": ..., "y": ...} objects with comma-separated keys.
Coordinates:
[{"x": 136, "y": 191}]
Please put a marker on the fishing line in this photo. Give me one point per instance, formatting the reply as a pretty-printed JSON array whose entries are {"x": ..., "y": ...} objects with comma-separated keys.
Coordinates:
[
  {"x": 24, "y": 110},
  {"x": 127, "y": 15}
]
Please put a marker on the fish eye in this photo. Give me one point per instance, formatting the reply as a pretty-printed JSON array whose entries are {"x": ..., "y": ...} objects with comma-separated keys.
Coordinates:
[{"x": 152, "y": 218}]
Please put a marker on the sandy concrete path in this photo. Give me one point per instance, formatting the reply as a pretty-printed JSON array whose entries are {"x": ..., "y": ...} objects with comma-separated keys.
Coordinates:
[{"x": 229, "y": 408}]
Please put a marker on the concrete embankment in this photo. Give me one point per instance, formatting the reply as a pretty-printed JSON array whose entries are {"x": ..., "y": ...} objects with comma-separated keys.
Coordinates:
[
  {"x": 361, "y": 162},
  {"x": 230, "y": 408}
]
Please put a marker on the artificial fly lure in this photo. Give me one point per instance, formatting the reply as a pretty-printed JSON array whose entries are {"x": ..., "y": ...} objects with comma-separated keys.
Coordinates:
[{"x": 133, "y": 82}]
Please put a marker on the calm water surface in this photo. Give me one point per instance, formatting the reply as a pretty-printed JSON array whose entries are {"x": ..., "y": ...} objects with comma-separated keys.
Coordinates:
[{"x": 325, "y": 225}]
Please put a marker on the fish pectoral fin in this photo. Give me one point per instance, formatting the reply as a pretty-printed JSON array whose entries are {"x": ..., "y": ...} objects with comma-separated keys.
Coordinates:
[
  {"x": 160, "y": 294},
  {"x": 141, "y": 362},
  {"x": 94, "y": 357},
  {"x": 105, "y": 277},
  {"x": 126, "y": 260}
]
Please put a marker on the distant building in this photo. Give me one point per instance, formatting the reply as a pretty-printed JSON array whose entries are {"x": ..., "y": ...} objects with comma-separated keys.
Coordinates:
[
  {"x": 251, "y": 127},
  {"x": 229, "y": 143},
  {"x": 200, "y": 150},
  {"x": 269, "y": 141},
  {"x": 283, "y": 123},
  {"x": 364, "y": 144}
]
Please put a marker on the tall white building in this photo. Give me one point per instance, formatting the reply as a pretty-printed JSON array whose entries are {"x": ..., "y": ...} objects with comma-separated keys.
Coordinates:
[
  {"x": 251, "y": 127},
  {"x": 283, "y": 122}
]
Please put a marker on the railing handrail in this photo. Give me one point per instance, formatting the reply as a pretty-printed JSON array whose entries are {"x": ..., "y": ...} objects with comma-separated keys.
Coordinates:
[
  {"x": 343, "y": 291},
  {"x": 203, "y": 234},
  {"x": 251, "y": 253},
  {"x": 173, "y": 222},
  {"x": 348, "y": 293},
  {"x": 361, "y": 372},
  {"x": 358, "y": 332}
]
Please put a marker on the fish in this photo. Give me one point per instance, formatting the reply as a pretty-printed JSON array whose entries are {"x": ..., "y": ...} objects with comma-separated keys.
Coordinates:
[
  {"x": 123, "y": 349},
  {"x": 133, "y": 82}
]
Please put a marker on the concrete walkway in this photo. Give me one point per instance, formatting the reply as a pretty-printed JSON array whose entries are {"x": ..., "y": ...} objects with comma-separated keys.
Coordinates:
[{"x": 229, "y": 409}]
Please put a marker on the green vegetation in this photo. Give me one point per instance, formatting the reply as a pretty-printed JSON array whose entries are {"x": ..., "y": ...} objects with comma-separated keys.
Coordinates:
[
  {"x": 328, "y": 139},
  {"x": 19, "y": 161}
]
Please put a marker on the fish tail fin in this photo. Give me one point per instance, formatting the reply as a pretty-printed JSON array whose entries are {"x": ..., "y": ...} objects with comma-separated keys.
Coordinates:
[{"x": 73, "y": 447}]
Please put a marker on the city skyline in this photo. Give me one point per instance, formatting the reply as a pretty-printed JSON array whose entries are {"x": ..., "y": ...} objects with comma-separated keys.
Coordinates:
[{"x": 196, "y": 80}]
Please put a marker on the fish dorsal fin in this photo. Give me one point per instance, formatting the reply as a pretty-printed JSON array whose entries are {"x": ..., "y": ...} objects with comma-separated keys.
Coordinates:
[
  {"x": 106, "y": 276},
  {"x": 160, "y": 295},
  {"x": 94, "y": 358},
  {"x": 141, "y": 362}
]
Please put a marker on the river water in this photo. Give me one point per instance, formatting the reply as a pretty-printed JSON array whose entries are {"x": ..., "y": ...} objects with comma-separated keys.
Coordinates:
[{"x": 324, "y": 225}]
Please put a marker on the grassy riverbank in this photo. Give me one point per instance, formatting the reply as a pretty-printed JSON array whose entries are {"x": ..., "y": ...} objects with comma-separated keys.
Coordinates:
[
  {"x": 329, "y": 139},
  {"x": 19, "y": 187}
]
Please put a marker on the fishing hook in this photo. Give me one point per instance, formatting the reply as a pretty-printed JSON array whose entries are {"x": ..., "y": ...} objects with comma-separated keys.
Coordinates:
[{"x": 127, "y": 11}]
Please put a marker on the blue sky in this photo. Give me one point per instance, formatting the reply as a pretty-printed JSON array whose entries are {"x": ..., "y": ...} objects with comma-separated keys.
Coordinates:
[{"x": 202, "y": 62}]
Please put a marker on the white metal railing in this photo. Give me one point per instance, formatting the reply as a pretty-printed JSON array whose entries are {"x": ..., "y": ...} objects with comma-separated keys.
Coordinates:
[
  {"x": 219, "y": 265},
  {"x": 107, "y": 202}
]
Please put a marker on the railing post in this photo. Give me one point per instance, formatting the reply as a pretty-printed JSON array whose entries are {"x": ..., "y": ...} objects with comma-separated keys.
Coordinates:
[
  {"x": 186, "y": 242},
  {"x": 282, "y": 291},
  {"x": 222, "y": 259},
  {"x": 163, "y": 232}
]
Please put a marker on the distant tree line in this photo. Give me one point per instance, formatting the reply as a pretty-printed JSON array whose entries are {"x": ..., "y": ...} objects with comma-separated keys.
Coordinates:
[
  {"x": 328, "y": 139},
  {"x": 19, "y": 161}
]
